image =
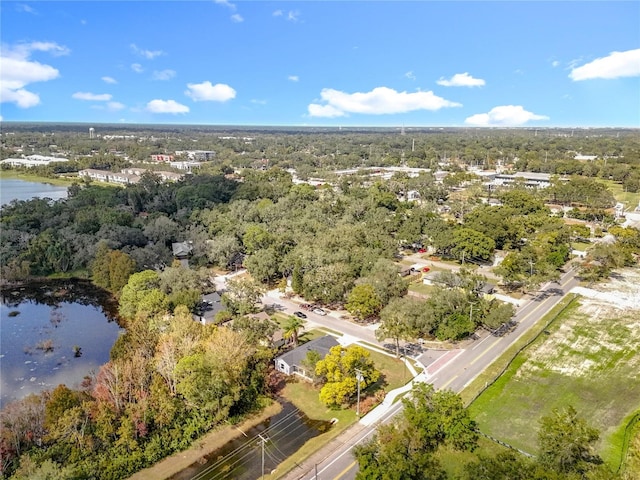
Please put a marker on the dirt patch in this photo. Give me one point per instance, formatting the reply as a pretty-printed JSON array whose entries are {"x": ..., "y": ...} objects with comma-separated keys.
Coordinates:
[{"x": 602, "y": 331}]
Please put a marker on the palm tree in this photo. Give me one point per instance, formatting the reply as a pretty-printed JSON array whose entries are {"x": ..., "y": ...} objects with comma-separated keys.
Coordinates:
[{"x": 292, "y": 328}]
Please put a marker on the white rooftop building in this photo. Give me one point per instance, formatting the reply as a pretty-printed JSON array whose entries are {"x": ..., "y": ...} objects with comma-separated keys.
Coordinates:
[{"x": 32, "y": 161}]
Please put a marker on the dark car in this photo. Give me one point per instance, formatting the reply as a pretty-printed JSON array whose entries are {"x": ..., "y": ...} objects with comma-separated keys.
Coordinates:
[{"x": 299, "y": 314}]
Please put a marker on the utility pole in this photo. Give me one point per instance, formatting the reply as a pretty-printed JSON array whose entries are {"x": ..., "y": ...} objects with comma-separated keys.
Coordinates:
[
  {"x": 531, "y": 268},
  {"x": 262, "y": 442},
  {"x": 359, "y": 378}
]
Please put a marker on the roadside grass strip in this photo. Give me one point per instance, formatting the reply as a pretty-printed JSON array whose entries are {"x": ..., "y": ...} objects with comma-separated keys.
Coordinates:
[{"x": 587, "y": 357}]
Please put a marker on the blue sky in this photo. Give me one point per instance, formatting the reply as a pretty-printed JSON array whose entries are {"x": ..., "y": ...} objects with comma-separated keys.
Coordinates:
[{"x": 360, "y": 63}]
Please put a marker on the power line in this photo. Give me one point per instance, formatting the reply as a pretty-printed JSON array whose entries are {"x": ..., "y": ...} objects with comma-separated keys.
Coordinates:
[{"x": 238, "y": 455}]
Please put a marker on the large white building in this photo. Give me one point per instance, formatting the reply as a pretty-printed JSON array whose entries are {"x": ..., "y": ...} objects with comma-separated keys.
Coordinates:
[
  {"x": 528, "y": 179},
  {"x": 32, "y": 161}
]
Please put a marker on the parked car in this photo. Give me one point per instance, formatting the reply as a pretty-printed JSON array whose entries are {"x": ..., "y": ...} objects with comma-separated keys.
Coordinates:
[
  {"x": 319, "y": 311},
  {"x": 306, "y": 306},
  {"x": 299, "y": 314}
]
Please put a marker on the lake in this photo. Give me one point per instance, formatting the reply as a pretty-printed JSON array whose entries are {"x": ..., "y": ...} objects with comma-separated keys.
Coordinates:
[
  {"x": 14, "y": 189},
  {"x": 53, "y": 332}
]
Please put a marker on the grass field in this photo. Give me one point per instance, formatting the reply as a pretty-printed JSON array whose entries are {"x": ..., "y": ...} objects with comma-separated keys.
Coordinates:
[
  {"x": 589, "y": 359},
  {"x": 20, "y": 175},
  {"x": 630, "y": 200}
]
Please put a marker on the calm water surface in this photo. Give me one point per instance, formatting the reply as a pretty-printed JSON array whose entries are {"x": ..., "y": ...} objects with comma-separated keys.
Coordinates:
[
  {"x": 38, "y": 336},
  {"x": 14, "y": 189}
]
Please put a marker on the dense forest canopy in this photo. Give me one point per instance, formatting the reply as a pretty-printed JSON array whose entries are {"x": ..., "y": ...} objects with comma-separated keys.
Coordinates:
[{"x": 336, "y": 241}]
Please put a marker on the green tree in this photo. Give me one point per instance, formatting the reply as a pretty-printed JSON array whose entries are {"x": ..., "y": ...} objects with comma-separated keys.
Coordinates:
[
  {"x": 363, "y": 302},
  {"x": 241, "y": 296},
  {"x": 397, "y": 322},
  {"x": 142, "y": 294},
  {"x": 292, "y": 328},
  {"x": 111, "y": 269},
  {"x": 566, "y": 442},
  {"x": 391, "y": 455},
  {"x": 385, "y": 279},
  {"x": 471, "y": 245},
  {"x": 405, "y": 449}
]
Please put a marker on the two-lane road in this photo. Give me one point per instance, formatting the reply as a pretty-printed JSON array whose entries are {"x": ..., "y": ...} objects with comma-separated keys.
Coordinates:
[{"x": 336, "y": 461}]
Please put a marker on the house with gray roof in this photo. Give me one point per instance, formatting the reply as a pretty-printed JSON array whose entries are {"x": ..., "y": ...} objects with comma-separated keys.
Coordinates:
[{"x": 290, "y": 363}]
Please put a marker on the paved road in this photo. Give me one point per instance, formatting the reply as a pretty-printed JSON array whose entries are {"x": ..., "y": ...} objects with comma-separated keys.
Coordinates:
[
  {"x": 455, "y": 371},
  {"x": 332, "y": 321}
]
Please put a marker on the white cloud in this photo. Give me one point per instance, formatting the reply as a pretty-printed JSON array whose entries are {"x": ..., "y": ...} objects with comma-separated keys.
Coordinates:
[
  {"x": 461, "y": 80},
  {"x": 114, "y": 106},
  {"x": 379, "y": 101},
  {"x": 17, "y": 70},
  {"x": 504, "y": 115},
  {"x": 136, "y": 67},
  {"x": 328, "y": 111},
  {"x": 410, "y": 75},
  {"x": 555, "y": 63},
  {"x": 110, "y": 80},
  {"x": 109, "y": 106},
  {"x": 615, "y": 65},
  {"x": 163, "y": 74},
  {"x": 237, "y": 18},
  {"x": 293, "y": 78},
  {"x": 148, "y": 54},
  {"x": 94, "y": 97},
  {"x": 21, "y": 97},
  {"x": 225, "y": 3},
  {"x": 166, "y": 106},
  {"x": 205, "y": 91},
  {"x": 23, "y": 7},
  {"x": 24, "y": 50},
  {"x": 291, "y": 15},
  {"x": 258, "y": 101}
]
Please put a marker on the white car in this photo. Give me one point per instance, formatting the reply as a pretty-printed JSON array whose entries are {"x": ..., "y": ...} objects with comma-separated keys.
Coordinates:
[{"x": 319, "y": 311}]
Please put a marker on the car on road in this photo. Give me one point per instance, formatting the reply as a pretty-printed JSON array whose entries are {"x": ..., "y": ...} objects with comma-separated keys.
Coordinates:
[
  {"x": 299, "y": 314},
  {"x": 306, "y": 306},
  {"x": 319, "y": 311}
]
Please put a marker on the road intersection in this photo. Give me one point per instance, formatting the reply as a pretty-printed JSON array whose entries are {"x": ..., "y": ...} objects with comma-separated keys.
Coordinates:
[{"x": 454, "y": 370}]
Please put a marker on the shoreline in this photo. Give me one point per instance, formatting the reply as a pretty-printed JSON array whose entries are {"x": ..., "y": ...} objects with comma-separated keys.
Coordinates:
[{"x": 20, "y": 175}]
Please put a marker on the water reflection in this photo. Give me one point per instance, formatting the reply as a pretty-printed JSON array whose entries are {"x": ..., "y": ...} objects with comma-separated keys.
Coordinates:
[
  {"x": 241, "y": 459},
  {"x": 43, "y": 326}
]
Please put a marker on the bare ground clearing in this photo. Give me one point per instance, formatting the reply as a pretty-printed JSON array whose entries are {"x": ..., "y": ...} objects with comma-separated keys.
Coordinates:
[{"x": 590, "y": 359}]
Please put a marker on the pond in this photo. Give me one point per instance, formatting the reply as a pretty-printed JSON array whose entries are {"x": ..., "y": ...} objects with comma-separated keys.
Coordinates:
[
  {"x": 53, "y": 332},
  {"x": 16, "y": 189},
  {"x": 241, "y": 459}
]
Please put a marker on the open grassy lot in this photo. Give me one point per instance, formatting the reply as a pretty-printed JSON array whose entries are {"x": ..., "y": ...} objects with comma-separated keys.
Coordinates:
[
  {"x": 453, "y": 461},
  {"x": 629, "y": 199},
  {"x": 589, "y": 359}
]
